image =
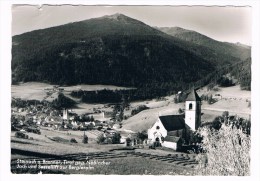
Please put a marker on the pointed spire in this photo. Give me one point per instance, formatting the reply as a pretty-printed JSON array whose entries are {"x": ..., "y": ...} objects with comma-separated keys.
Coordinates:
[{"x": 193, "y": 96}]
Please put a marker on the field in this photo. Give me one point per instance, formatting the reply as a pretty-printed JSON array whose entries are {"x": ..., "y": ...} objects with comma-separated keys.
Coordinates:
[
  {"x": 139, "y": 161},
  {"x": 43, "y": 142},
  {"x": 30, "y": 90},
  {"x": 38, "y": 91},
  {"x": 97, "y": 159}
]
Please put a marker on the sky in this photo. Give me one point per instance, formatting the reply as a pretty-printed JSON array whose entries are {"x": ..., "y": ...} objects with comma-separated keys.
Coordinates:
[{"x": 230, "y": 24}]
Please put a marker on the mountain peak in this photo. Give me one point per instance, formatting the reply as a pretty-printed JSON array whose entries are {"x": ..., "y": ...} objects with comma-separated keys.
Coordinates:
[{"x": 117, "y": 17}]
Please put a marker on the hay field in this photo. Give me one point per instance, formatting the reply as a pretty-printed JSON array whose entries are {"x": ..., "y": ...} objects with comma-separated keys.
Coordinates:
[
  {"x": 145, "y": 119},
  {"x": 30, "y": 91},
  {"x": 43, "y": 144},
  {"x": 37, "y": 90}
]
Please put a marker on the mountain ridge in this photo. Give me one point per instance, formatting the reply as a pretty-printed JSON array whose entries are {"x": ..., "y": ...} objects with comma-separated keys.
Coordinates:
[{"x": 234, "y": 49}]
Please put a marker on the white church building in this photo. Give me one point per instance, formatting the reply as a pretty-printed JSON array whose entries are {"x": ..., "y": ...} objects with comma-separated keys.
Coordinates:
[{"x": 168, "y": 130}]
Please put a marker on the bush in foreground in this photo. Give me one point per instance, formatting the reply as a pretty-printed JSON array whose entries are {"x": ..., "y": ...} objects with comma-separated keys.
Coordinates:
[{"x": 227, "y": 152}]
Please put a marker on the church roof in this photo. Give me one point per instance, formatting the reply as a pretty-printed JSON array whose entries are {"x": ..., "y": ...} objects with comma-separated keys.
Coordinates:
[
  {"x": 174, "y": 139},
  {"x": 173, "y": 122},
  {"x": 193, "y": 96}
]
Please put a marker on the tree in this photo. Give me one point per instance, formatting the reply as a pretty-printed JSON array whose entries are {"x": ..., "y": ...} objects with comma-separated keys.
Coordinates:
[
  {"x": 100, "y": 139},
  {"x": 125, "y": 102},
  {"x": 115, "y": 112},
  {"x": 63, "y": 102},
  {"x": 116, "y": 138},
  {"x": 217, "y": 122},
  {"x": 227, "y": 152},
  {"x": 225, "y": 114},
  {"x": 210, "y": 99},
  {"x": 85, "y": 138},
  {"x": 142, "y": 135}
]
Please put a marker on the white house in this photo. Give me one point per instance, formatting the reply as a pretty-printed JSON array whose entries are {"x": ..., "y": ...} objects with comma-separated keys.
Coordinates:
[
  {"x": 65, "y": 114},
  {"x": 168, "y": 130}
]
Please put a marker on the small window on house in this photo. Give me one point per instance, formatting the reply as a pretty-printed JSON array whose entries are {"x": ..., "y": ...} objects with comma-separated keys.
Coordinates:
[
  {"x": 157, "y": 127},
  {"x": 190, "y": 106}
]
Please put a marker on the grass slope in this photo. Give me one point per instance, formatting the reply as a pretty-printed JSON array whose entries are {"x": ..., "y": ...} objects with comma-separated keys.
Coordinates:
[{"x": 233, "y": 100}]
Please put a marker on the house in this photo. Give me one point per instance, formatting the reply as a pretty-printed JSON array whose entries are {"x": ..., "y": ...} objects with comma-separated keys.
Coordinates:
[
  {"x": 116, "y": 126},
  {"x": 217, "y": 97},
  {"x": 169, "y": 130},
  {"x": 65, "y": 114}
]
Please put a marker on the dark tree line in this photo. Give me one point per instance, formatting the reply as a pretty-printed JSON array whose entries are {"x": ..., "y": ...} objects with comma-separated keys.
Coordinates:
[{"x": 62, "y": 102}]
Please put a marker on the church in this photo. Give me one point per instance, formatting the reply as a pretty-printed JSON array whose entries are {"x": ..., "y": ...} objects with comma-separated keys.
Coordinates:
[{"x": 169, "y": 130}]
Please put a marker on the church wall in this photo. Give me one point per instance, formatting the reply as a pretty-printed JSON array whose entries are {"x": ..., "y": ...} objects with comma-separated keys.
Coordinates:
[{"x": 153, "y": 133}]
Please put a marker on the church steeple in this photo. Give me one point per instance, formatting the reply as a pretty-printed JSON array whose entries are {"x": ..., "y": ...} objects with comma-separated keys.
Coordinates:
[
  {"x": 193, "y": 110},
  {"x": 193, "y": 96}
]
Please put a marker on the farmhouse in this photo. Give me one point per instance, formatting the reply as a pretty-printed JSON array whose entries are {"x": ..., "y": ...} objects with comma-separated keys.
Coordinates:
[{"x": 169, "y": 130}]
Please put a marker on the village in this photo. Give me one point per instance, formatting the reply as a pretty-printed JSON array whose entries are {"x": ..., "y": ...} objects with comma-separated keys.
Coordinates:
[{"x": 34, "y": 117}]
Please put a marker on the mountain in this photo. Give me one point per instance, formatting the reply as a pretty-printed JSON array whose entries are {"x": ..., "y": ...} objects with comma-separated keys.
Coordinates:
[
  {"x": 237, "y": 50},
  {"x": 113, "y": 49}
]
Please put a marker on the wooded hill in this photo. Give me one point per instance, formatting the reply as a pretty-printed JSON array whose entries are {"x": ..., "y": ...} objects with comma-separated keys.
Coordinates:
[{"x": 114, "y": 50}]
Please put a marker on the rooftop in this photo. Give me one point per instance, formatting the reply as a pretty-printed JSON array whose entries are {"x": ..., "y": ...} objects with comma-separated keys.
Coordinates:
[{"x": 173, "y": 122}]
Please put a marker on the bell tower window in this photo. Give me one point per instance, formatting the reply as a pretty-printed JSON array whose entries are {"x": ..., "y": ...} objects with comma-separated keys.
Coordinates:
[{"x": 190, "y": 106}]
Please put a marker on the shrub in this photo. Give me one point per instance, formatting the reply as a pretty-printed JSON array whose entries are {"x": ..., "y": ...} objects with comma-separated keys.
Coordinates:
[
  {"x": 225, "y": 114},
  {"x": 100, "y": 139},
  {"x": 227, "y": 152},
  {"x": 73, "y": 140},
  {"x": 180, "y": 111},
  {"x": 217, "y": 123},
  {"x": 116, "y": 138},
  {"x": 225, "y": 82},
  {"x": 21, "y": 135},
  {"x": 142, "y": 135}
]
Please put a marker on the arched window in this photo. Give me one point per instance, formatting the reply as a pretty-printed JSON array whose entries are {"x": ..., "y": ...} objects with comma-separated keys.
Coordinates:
[
  {"x": 190, "y": 106},
  {"x": 157, "y": 127}
]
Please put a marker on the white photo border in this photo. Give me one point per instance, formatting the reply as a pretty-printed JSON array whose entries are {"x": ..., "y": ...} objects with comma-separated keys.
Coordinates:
[{"x": 5, "y": 86}]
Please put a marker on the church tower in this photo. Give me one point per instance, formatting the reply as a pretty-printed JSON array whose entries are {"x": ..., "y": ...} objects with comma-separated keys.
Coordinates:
[{"x": 193, "y": 110}]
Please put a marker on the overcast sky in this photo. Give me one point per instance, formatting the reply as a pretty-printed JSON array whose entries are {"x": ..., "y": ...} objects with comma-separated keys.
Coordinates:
[{"x": 231, "y": 24}]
